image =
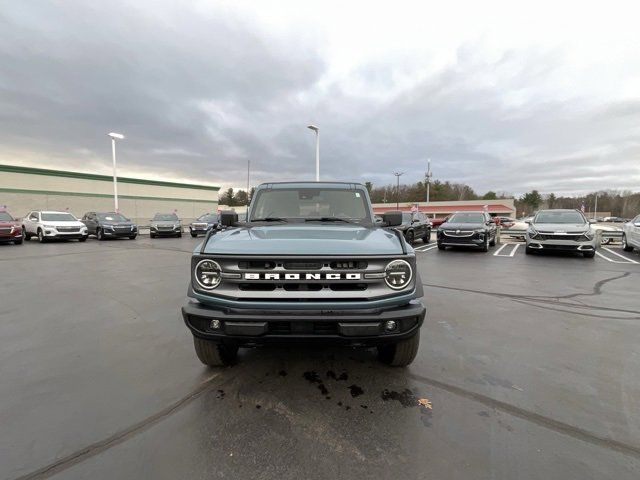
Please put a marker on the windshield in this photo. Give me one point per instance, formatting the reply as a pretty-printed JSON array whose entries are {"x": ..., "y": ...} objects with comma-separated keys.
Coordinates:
[
  {"x": 467, "y": 217},
  {"x": 208, "y": 217},
  {"x": 165, "y": 217},
  {"x": 58, "y": 217},
  {"x": 308, "y": 203},
  {"x": 559, "y": 217},
  {"x": 112, "y": 217},
  {"x": 407, "y": 217},
  {"x": 5, "y": 217}
]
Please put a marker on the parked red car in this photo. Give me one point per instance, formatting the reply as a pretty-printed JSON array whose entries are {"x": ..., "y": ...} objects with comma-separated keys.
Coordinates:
[{"x": 10, "y": 229}]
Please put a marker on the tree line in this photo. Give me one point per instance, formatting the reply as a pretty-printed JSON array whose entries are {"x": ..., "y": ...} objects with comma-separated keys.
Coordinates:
[{"x": 619, "y": 203}]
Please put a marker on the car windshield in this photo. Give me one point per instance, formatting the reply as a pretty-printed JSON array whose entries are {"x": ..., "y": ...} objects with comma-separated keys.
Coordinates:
[
  {"x": 407, "y": 217},
  {"x": 58, "y": 217},
  {"x": 559, "y": 217},
  {"x": 112, "y": 217},
  {"x": 466, "y": 217},
  {"x": 208, "y": 217},
  {"x": 165, "y": 217},
  {"x": 5, "y": 217},
  {"x": 310, "y": 203}
]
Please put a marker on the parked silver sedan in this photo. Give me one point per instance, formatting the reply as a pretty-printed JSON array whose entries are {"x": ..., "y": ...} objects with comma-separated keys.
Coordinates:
[
  {"x": 561, "y": 230},
  {"x": 631, "y": 235}
]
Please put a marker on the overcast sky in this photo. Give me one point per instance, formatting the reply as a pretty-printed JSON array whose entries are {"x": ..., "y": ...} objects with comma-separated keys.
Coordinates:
[{"x": 499, "y": 96}]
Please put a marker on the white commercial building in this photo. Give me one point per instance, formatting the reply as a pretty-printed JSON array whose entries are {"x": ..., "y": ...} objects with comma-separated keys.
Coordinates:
[{"x": 23, "y": 189}]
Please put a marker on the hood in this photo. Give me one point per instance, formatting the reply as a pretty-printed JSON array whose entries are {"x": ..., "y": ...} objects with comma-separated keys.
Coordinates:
[
  {"x": 7, "y": 223},
  {"x": 70, "y": 223},
  {"x": 461, "y": 226},
  {"x": 116, "y": 224},
  {"x": 562, "y": 227},
  {"x": 307, "y": 239}
]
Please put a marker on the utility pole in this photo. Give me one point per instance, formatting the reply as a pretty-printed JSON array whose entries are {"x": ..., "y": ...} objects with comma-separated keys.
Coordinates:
[
  {"x": 115, "y": 136},
  {"x": 248, "y": 171},
  {"x": 595, "y": 208},
  {"x": 398, "y": 175},
  {"x": 427, "y": 177},
  {"x": 317, "y": 130}
]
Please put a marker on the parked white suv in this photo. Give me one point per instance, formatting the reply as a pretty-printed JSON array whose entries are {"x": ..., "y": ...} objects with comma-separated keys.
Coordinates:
[
  {"x": 631, "y": 235},
  {"x": 53, "y": 225}
]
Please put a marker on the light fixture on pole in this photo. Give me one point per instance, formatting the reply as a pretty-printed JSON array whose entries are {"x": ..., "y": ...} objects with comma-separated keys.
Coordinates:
[
  {"x": 317, "y": 130},
  {"x": 398, "y": 175},
  {"x": 427, "y": 177},
  {"x": 115, "y": 136},
  {"x": 248, "y": 171}
]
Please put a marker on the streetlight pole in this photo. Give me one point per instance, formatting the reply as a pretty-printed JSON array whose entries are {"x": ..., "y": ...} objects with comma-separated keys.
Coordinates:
[
  {"x": 248, "y": 170},
  {"x": 398, "y": 175},
  {"x": 115, "y": 136},
  {"x": 595, "y": 208},
  {"x": 317, "y": 130}
]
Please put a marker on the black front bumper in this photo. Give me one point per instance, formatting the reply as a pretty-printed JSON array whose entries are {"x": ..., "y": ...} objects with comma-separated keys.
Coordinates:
[
  {"x": 344, "y": 327},
  {"x": 166, "y": 233}
]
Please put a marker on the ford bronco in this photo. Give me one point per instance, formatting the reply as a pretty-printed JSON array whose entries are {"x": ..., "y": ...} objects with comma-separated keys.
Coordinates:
[{"x": 309, "y": 264}]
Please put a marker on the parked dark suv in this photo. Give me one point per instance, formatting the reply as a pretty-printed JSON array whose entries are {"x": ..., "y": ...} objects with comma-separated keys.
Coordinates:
[
  {"x": 204, "y": 223},
  {"x": 468, "y": 229},
  {"x": 415, "y": 225},
  {"x": 109, "y": 225},
  {"x": 165, "y": 225}
]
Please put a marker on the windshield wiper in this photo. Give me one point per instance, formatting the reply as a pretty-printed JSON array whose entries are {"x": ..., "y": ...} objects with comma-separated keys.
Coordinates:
[
  {"x": 269, "y": 219},
  {"x": 328, "y": 219}
]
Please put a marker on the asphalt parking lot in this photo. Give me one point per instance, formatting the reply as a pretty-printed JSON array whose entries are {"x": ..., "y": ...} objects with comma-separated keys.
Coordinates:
[{"x": 530, "y": 364}]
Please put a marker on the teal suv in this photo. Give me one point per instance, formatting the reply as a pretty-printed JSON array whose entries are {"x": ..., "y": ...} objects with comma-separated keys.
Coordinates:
[{"x": 310, "y": 264}]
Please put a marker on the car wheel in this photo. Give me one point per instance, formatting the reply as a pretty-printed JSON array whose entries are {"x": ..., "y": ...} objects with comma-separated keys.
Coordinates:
[
  {"x": 528, "y": 250},
  {"x": 400, "y": 354},
  {"x": 100, "y": 234},
  {"x": 625, "y": 246},
  {"x": 194, "y": 235},
  {"x": 409, "y": 237},
  {"x": 179, "y": 235},
  {"x": 152, "y": 235},
  {"x": 485, "y": 245},
  {"x": 25, "y": 235},
  {"x": 214, "y": 354},
  {"x": 132, "y": 237},
  {"x": 427, "y": 237},
  {"x": 18, "y": 242},
  {"x": 589, "y": 254},
  {"x": 83, "y": 239},
  {"x": 41, "y": 237},
  {"x": 492, "y": 243},
  {"x": 441, "y": 247}
]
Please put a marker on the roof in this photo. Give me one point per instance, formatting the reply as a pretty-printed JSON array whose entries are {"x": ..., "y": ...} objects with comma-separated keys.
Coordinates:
[
  {"x": 491, "y": 208},
  {"x": 306, "y": 184},
  {"x": 103, "y": 178}
]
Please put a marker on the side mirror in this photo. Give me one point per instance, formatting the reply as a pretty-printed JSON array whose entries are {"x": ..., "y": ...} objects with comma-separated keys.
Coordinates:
[
  {"x": 392, "y": 219},
  {"x": 528, "y": 222},
  {"x": 591, "y": 220},
  {"x": 637, "y": 224},
  {"x": 228, "y": 218}
]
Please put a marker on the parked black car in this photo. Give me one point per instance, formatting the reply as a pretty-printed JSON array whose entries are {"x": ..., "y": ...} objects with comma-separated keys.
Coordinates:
[
  {"x": 204, "y": 223},
  {"x": 109, "y": 225},
  {"x": 468, "y": 229},
  {"x": 415, "y": 225}
]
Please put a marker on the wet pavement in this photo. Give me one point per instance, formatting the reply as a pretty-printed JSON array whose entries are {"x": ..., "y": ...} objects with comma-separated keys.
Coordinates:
[{"x": 528, "y": 368}]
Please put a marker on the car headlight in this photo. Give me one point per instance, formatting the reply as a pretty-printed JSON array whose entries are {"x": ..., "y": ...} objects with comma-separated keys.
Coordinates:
[
  {"x": 208, "y": 274},
  {"x": 533, "y": 233},
  {"x": 398, "y": 274},
  {"x": 589, "y": 235},
  {"x": 176, "y": 226}
]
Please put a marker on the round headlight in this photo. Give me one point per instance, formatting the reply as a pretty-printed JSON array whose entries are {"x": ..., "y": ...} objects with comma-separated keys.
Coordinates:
[
  {"x": 398, "y": 274},
  {"x": 208, "y": 274}
]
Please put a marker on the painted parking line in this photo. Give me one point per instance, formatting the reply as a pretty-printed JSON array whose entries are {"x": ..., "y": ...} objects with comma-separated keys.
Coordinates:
[
  {"x": 619, "y": 255},
  {"x": 511, "y": 253},
  {"x": 425, "y": 248},
  {"x": 604, "y": 257}
]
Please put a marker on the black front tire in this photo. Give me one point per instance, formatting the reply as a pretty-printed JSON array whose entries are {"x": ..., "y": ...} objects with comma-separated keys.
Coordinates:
[
  {"x": 152, "y": 235},
  {"x": 194, "y": 235},
  {"x": 427, "y": 237},
  {"x": 18, "y": 242},
  {"x": 400, "y": 354},
  {"x": 41, "y": 236},
  {"x": 409, "y": 237},
  {"x": 589, "y": 254},
  {"x": 492, "y": 243},
  {"x": 179, "y": 235},
  {"x": 25, "y": 235},
  {"x": 441, "y": 247},
  {"x": 528, "y": 250},
  {"x": 214, "y": 354},
  {"x": 485, "y": 245},
  {"x": 83, "y": 239},
  {"x": 625, "y": 246},
  {"x": 132, "y": 237},
  {"x": 100, "y": 234}
]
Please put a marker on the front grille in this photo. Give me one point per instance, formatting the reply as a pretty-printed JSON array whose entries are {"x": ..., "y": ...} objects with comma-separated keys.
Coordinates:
[
  {"x": 5, "y": 231},
  {"x": 458, "y": 233},
  {"x": 68, "y": 229},
  {"x": 560, "y": 237},
  {"x": 165, "y": 229},
  {"x": 308, "y": 328}
]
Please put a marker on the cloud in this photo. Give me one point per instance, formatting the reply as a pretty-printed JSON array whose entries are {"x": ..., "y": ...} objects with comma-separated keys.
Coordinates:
[{"x": 201, "y": 89}]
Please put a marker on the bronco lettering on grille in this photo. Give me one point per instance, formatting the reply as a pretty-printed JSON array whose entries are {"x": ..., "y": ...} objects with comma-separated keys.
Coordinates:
[{"x": 302, "y": 276}]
